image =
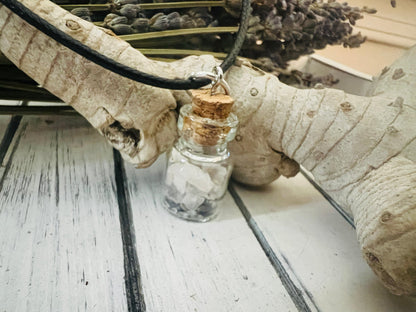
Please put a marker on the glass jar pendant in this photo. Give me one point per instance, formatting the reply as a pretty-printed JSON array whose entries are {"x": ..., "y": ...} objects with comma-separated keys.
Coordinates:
[{"x": 199, "y": 164}]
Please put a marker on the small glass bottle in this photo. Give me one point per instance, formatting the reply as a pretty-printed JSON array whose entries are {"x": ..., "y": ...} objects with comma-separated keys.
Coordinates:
[{"x": 199, "y": 164}]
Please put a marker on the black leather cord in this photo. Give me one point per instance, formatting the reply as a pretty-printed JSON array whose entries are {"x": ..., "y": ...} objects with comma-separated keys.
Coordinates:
[
  {"x": 121, "y": 69},
  {"x": 241, "y": 36}
]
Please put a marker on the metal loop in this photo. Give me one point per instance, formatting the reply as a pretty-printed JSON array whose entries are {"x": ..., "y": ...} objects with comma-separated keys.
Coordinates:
[
  {"x": 204, "y": 75},
  {"x": 217, "y": 79},
  {"x": 218, "y": 72}
]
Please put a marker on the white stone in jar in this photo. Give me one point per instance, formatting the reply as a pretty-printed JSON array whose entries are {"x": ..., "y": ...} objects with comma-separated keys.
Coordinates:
[
  {"x": 181, "y": 173},
  {"x": 191, "y": 199}
]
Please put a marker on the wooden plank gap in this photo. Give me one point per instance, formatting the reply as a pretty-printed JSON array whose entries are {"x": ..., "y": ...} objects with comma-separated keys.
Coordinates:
[
  {"x": 10, "y": 133},
  {"x": 10, "y": 140},
  {"x": 134, "y": 289},
  {"x": 8, "y": 136},
  {"x": 333, "y": 203},
  {"x": 300, "y": 296},
  {"x": 57, "y": 169}
]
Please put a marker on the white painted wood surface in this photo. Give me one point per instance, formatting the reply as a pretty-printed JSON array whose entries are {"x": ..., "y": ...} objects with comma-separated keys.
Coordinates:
[
  {"x": 320, "y": 247},
  {"x": 60, "y": 243},
  {"x": 10, "y": 102},
  {"x": 61, "y": 248},
  {"x": 216, "y": 266}
]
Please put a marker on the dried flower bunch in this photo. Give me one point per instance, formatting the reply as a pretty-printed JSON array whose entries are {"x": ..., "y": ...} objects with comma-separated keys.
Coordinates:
[
  {"x": 279, "y": 30},
  {"x": 130, "y": 19},
  {"x": 127, "y": 17}
]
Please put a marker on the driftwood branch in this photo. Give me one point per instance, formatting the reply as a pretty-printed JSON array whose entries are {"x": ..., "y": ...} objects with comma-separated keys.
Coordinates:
[{"x": 361, "y": 150}]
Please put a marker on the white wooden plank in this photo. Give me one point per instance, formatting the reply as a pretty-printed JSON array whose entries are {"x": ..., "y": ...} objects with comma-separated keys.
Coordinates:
[
  {"x": 60, "y": 243},
  {"x": 185, "y": 266},
  {"x": 40, "y": 103},
  {"x": 320, "y": 247},
  {"x": 10, "y": 102}
]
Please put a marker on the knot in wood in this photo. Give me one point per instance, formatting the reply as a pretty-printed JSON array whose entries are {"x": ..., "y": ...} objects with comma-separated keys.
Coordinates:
[
  {"x": 392, "y": 129},
  {"x": 384, "y": 70},
  {"x": 318, "y": 155},
  {"x": 73, "y": 25},
  {"x": 311, "y": 114},
  {"x": 398, "y": 102},
  {"x": 346, "y": 106},
  {"x": 385, "y": 217},
  {"x": 372, "y": 258},
  {"x": 398, "y": 73}
]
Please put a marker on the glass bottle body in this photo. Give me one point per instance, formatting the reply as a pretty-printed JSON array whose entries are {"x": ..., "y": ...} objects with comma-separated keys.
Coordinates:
[{"x": 197, "y": 175}]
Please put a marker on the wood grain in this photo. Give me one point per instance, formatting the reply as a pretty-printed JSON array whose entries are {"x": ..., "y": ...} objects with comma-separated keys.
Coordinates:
[
  {"x": 60, "y": 242},
  {"x": 217, "y": 266},
  {"x": 320, "y": 247}
]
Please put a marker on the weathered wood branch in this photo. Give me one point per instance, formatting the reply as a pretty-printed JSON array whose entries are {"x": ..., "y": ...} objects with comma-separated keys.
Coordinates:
[{"x": 361, "y": 150}]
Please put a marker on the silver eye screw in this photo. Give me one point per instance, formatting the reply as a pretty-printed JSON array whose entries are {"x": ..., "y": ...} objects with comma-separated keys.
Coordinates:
[{"x": 217, "y": 79}]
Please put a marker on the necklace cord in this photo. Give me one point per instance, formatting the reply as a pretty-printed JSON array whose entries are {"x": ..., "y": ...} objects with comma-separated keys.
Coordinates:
[{"x": 119, "y": 68}]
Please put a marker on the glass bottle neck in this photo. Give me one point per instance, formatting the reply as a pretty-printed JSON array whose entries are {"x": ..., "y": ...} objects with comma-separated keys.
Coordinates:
[{"x": 194, "y": 150}]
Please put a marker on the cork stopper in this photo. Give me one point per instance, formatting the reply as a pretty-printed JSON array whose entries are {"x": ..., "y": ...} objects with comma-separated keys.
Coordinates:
[
  {"x": 207, "y": 124},
  {"x": 216, "y": 106}
]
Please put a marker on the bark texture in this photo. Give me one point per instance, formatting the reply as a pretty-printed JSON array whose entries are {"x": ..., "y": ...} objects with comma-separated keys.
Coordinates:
[{"x": 361, "y": 150}]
